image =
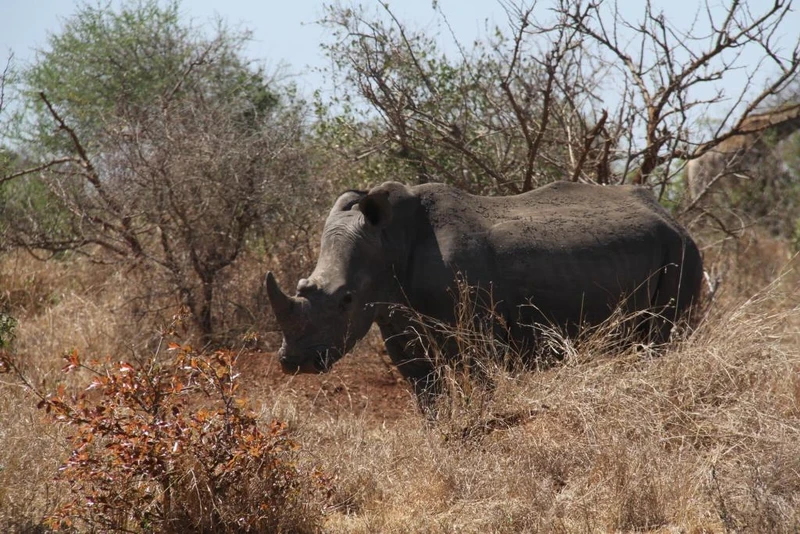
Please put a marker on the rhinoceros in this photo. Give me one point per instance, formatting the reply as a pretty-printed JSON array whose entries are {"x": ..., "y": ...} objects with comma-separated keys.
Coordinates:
[{"x": 565, "y": 254}]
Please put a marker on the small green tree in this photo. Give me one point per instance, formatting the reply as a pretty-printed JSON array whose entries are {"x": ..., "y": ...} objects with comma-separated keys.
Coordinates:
[
  {"x": 105, "y": 66},
  {"x": 163, "y": 146}
]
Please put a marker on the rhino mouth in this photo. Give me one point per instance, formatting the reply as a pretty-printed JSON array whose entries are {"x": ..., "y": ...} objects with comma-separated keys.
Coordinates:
[{"x": 314, "y": 360}]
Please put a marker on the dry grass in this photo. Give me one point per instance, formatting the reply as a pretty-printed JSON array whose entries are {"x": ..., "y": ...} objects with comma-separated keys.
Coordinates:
[
  {"x": 59, "y": 306},
  {"x": 703, "y": 436}
]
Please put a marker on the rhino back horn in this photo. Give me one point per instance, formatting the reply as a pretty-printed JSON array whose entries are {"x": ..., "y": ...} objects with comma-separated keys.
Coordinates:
[{"x": 281, "y": 303}]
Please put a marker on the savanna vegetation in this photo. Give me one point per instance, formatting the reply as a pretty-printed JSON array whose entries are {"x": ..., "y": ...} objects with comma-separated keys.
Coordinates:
[{"x": 151, "y": 173}]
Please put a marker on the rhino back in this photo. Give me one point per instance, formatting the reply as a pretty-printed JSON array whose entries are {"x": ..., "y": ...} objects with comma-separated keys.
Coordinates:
[{"x": 569, "y": 249}]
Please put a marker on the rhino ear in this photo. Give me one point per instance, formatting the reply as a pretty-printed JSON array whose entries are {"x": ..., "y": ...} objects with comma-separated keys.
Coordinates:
[{"x": 376, "y": 207}]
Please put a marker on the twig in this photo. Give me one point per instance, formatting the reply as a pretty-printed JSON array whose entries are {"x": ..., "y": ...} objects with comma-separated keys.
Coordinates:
[
  {"x": 587, "y": 145},
  {"x": 94, "y": 179},
  {"x": 38, "y": 168}
]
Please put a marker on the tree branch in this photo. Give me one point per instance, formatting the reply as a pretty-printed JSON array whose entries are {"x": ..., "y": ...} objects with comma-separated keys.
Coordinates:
[
  {"x": 38, "y": 168},
  {"x": 94, "y": 179}
]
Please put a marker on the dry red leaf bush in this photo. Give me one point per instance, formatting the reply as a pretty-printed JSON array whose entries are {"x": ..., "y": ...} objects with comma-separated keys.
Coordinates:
[{"x": 167, "y": 445}]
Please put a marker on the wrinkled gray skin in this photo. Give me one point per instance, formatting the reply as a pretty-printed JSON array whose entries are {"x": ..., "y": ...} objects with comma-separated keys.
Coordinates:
[{"x": 564, "y": 254}]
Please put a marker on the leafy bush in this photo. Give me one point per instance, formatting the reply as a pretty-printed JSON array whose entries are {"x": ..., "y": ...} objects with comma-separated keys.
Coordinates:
[{"x": 166, "y": 445}]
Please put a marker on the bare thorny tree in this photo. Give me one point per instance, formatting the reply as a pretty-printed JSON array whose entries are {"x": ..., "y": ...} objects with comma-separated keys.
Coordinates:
[
  {"x": 574, "y": 90},
  {"x": 179, "y": 190},
  {"x": 172, "y": 189}
]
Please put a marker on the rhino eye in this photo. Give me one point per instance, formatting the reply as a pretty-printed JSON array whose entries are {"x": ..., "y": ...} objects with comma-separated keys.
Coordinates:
[{"x": 304, "y": 286}]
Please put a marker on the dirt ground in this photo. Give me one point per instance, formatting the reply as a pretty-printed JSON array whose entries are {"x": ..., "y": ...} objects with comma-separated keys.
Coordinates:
[{"x": 364, "y": 384}]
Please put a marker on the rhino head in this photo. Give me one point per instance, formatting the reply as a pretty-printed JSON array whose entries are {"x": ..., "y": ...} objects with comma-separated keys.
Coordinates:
[{"x": 332, "y": 308}]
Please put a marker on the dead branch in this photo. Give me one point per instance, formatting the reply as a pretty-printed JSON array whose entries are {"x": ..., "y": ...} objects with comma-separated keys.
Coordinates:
[
  {"x": 587, "y": 146},
  {"x": 662, "y": 84},
  {"x": 748, "y": 125},
  {"x": 37, "y": 168},
  {"x": 519, "y": 114},
  {"x": 93, "y": 178}
]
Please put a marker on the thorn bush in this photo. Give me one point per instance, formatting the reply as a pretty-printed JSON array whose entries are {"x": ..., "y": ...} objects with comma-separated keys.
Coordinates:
[{"x": 166, "y": 445}]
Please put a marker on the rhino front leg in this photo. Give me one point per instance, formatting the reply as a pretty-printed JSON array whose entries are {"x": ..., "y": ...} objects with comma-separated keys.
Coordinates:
[{"x": 407, "y": 353}]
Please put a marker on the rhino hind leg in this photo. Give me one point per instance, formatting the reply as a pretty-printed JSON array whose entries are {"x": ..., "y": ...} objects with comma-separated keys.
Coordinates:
[{"x": 677, "y": 292}]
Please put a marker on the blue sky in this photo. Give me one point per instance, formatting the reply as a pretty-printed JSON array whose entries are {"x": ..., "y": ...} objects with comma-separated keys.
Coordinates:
[{"x": 285, "y": 33}]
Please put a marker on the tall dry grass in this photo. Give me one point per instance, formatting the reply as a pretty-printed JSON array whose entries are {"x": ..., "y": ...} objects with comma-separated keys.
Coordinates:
[
  {"x": 700, "y": 436},
  {"x": 703, "y": 437},
  {"x": 58, "y": 306}
]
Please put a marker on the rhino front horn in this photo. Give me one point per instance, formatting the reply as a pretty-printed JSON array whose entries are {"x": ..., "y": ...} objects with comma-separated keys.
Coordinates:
[{"x": 281, "y": 303}]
